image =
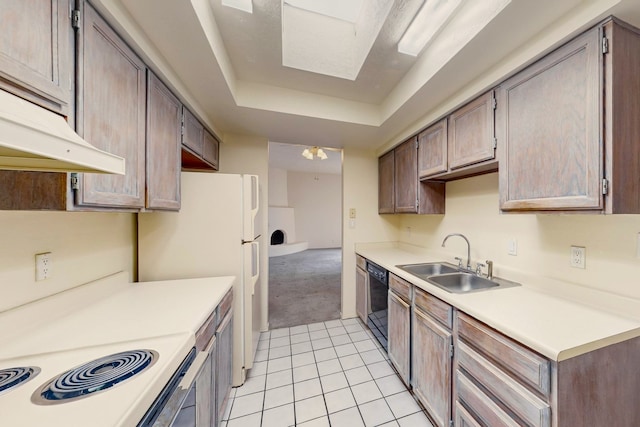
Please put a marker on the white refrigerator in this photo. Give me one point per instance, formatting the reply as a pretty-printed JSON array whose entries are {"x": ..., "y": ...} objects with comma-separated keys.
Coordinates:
[{"x": 215, "y": 234}]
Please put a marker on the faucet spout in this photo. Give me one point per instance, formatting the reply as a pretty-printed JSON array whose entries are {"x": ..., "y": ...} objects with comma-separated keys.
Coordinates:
[{"x": 468, "y": 247}]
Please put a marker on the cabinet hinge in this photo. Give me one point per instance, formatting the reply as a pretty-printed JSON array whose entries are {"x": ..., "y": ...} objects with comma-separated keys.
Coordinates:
[
  {"x": 451, "y": 349},
  {"x": 495, "y": 143},
  {"x": 605, "y": 45},
  {"x": 75, "y": 182},
  {"x": 417, "y": 144},
  {"x": 75, "y": 19},
  {"x": 605, "y": 186},
  {"x": 450, "y": 423},
  {"x": 494, "y": 103}
]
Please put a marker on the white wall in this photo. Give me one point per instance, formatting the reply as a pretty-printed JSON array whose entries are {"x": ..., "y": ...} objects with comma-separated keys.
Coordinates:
[
  {"x": 360, "y": 191},
  {"x": 84, "y": 247},
  {"x": 278, "y": 193},
  {"x": 250, "y": 155},
  {"x": 317, "y": 201},
  {"x": 543, "y": 240}
]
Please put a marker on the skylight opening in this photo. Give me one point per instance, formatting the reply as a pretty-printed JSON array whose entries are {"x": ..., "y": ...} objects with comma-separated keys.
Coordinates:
[{"x": 331, "y": 37}]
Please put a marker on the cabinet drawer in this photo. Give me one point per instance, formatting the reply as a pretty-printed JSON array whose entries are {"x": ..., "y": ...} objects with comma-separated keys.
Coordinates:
[
  {"x": 225, "y": 305},
  {"x": 400, "y": 287},
  {"x": 487, "y": 412},
  {"x": 523, "y": 403},
  {"x": 533, "y": 369},
  {"x": 361, "y": 262},
  {"x": 207, "y": 331},
  {"x": 464, "y": 418},
  {"x": 439, "y": 310}
]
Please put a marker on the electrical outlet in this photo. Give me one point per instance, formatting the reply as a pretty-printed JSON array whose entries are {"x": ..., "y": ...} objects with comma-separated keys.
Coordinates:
[
  {"x": 43, "y": 266},
  {"x": 352, "y": 213},
  {"x": 512, "y": 247},
  {"x": 578, "y": 256}
]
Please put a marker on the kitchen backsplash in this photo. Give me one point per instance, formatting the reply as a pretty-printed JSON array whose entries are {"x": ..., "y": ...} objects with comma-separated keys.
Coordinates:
[
  {"x": 83, "y": 246},
  {"x": 543, "y": 241}
]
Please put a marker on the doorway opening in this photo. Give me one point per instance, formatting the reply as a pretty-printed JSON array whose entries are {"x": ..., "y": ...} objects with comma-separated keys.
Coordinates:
[{"x": 305, "y": 229}]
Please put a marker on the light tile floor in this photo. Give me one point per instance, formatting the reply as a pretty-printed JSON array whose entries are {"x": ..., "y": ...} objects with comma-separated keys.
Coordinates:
[{"x": 319, "y": 375}]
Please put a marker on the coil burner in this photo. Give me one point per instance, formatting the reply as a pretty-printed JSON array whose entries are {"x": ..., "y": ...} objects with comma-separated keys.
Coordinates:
[
  {"x": 94, "y": 377},
  {"x": 13, "y": 377}
]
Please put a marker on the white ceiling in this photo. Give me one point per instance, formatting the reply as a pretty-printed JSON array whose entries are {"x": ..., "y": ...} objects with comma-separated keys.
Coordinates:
[{"x": 227, "y": 65}]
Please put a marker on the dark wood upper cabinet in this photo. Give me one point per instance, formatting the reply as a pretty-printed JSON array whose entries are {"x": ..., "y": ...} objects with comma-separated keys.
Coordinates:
[
  {"x": 200, "y": 149},
  {"x": 386, "y": 179},
  {"x": 406, "y": 177},
  {"x": 111, "y": 112},
  {"x": 399, "y": 190},
  {"x": 460, "y": 145},
  {"x": 164, "y": 132},
  {"x": 569, "y": 127},
  {"x": 471, "y": 136},
  {"x": 36, "y": 55},
  {"x": 432, "y": 149}
]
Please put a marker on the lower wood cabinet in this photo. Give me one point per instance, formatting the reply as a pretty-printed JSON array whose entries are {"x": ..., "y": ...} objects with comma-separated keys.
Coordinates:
[
  {"x": 432, "y": 366},
  {"x": 362, "y": 290},
  {"x": 399, "y": 323},
  {"x": 224, "y": 335}
]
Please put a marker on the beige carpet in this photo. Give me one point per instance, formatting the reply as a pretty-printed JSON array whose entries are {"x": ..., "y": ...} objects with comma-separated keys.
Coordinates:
[{"x": 304, "y": 287}]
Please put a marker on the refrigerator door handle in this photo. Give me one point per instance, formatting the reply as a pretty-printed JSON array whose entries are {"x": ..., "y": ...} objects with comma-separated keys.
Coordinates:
[{"x": 255, "y": 265}]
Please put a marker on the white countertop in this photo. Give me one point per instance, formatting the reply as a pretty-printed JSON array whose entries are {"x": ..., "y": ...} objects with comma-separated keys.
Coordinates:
[
  {"x": 107, "y": 316},
  {"x": 559, "y": 321}
]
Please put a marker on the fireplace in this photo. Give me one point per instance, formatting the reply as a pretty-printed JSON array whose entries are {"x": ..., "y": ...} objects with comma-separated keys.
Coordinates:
[{"x": 277, "y": 237}]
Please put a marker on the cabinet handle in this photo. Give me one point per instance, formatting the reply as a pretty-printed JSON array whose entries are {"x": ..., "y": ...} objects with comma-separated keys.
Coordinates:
[{"x": 398, "y": 299}]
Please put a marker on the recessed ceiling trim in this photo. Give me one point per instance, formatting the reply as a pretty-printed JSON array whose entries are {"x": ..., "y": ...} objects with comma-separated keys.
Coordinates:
[
  {"x": 427, "y": 24},
  {"x": 243, "y": 5}
]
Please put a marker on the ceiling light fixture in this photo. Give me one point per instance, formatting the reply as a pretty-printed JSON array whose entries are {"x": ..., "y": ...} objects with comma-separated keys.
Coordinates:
[
  {"x": 427, "y": 24},
  {"x": 318, "y": 152},
  {"x": 243, "y": 5}
]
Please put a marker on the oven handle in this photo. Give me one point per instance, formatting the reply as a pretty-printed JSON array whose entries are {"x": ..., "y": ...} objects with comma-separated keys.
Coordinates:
[
  {"x": 165, "y": 409},
  {"x": 195, "y": 368}
]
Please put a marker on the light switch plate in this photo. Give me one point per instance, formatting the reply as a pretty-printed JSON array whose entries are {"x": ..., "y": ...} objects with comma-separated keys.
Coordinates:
[{"x": 512, "y": 247}]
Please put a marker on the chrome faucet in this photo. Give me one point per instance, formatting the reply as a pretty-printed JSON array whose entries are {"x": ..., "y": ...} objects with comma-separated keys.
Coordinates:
[{"x": 468, "y": 248}]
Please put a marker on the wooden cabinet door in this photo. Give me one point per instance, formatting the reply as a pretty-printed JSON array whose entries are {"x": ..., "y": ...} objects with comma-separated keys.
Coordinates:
[
  {"x": 399, "y": 318},
  {"x": 362, "y": 288},
  {"x": 549, "y": 126},
  {"x": 164, "y": 122},
  {"x": 432, "y": 367},
  {"x": 224, "y": 335},
  {"x": 111, "y": 112},
  {"x": 471, "y": 133},
  {"x": 386, "y": 176},
  {"x": 432, "y": 150},
  {"x": 193, "y": 137},
  {"x": 36, "y": 59},
  {"x": 206, "y": 390},
  {"x": 406, "y": 177},
  {"x": 211, "y": 150}
]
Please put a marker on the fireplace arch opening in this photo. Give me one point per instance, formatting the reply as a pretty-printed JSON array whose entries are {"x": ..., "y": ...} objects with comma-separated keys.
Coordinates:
[{"x": 277, "y": 237}]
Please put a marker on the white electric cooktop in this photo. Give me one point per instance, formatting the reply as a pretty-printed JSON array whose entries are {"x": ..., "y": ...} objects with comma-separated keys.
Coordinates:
[{"x": 79, "y": 326}]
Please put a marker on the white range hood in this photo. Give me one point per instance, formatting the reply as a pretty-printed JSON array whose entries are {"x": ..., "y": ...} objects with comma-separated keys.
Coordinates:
[{"x": 35, "y": 139}]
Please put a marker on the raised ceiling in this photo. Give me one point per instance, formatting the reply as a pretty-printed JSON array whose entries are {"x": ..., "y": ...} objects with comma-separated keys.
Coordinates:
[{"x": 227, "y": 65}]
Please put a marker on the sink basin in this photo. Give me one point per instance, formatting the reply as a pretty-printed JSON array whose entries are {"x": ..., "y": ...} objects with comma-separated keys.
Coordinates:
[
  {"x": 462, "y": 282},
  {"x": 428, "y": 269}
]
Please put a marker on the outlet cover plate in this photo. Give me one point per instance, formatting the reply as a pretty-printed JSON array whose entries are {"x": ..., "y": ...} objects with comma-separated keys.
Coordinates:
[{"x": 578, "y": 256}]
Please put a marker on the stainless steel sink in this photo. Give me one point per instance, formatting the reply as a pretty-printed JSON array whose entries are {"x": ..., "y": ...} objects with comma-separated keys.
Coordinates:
[
  {"x": 428, "y": 269},
  {"x": 462, "y": 282},
  {"x": 450, "y": 278}
]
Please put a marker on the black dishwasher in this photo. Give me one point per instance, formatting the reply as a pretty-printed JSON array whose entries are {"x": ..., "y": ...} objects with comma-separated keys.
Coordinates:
[{"x": 378, "y": 294}]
